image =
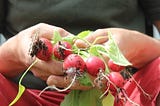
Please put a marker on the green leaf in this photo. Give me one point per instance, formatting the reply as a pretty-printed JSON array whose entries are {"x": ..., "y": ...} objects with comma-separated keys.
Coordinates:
[
  {"x": 84, "y": 54},
  {"x": 71, "y": 99},
  {"x": 83, "y": 98},
  {"x": 85, "y": 80},
  {"x": 97, "y": 49},
  {"x": 75, "y": 49},
  {"x": 57, "y": 37},
  {"x": 83, "y": 34},
  {"x": 108, "y": 100},
  {"x": 69, "y": 39},
  {"x": 93, "y": 50},
  {"x": 114, "y": 52}
]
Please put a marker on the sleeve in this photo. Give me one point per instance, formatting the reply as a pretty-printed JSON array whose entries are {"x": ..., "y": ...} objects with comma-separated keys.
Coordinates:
[
  {"x": 151, "y": 8},
  {"x": 148, "y": 79}
]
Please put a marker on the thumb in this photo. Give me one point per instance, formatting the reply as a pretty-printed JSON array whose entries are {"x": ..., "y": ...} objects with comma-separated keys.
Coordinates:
[{"x": 97, "y": 37}]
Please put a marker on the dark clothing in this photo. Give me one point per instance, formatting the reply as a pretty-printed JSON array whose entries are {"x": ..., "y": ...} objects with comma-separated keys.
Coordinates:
[
  {"x": 77, "y": 15},
  {"x": 151, "y": 9}
]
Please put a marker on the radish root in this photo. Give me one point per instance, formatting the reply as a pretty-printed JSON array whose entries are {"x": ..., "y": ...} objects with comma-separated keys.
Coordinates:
[
  {"x": 59, "y": 90},
  {"x": 145, "y": 94}
]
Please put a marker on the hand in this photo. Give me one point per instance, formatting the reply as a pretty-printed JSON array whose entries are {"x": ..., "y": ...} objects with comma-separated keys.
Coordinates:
[
  {"x": 15, "y": 52},
  {"x": 43, "y": 69},
  {"x": 64, "y": 82},
  {"x": 131, "y": 43},
  {"x": 137, "y": 47}
]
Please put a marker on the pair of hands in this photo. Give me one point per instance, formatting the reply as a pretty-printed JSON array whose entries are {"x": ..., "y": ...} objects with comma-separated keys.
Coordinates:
[{"x": 136, "y": 47}]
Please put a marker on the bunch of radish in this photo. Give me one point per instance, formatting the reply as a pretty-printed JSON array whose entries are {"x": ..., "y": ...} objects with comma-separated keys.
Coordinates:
[{"x": 80, "y": 63}]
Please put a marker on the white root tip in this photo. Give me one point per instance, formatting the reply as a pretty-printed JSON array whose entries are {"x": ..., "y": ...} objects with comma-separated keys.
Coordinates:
[{"x": 59, "y": 90}]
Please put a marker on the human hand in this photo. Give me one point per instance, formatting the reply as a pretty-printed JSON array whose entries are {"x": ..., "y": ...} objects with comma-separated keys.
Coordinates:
[
  {"x": 136, "y": 47},
  {"x": 52, "y": 70},
  {"x": 16, "y": 50},
  {"x": 131, "y": 43},
  {"x": 43, "y": 69}
]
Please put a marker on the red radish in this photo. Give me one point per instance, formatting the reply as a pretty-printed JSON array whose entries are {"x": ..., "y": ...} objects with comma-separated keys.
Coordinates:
[
  {"x": 114, "y": 67},
  {"x": 74, "y": 66},
  {"x": 42, "y": 48},
  {"x": 62, "y": 49},
  {"x": 94, "y": 65},
  {"x": 116, "y": 79},
  {"x": 74, "y": 61}
]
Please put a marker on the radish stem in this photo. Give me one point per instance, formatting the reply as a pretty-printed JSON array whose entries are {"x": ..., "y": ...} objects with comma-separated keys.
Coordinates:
[
  {"x": 59, "y": 90},
  {"x": 105, "y": 91},
  {"x": 146, "y": 94},
  {"x": 21, "y": 88},
  {"x": 125, "y": 95}
]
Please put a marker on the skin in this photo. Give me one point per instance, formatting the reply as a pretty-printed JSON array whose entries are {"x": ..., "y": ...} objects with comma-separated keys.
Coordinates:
[
  {"x": 139, "y": 55},
  {"x": 128, "y": 41},
  {"x": 20, "y": 60}
]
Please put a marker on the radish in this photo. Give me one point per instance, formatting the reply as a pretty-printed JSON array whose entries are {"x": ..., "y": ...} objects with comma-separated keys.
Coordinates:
[
  {"x": 74, "y": 61},
  {"x": 117, "y": 81},
  {"x": 42, "y": 49},
  {"x": 62, "y": 49},
  {"x": 114, "y": 82},
  {"x": 114, "y": 67},
  {"x": 74, "y": 66},
  {"x": 94, "y": 65}
]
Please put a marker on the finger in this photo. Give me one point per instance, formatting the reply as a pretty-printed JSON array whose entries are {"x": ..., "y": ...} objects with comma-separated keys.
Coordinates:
[
  {"x": 64, "y": 81},
  {"x": 40, "y": 73},
  {"x": 45, "y": 30},
  {"x": 97, "y": 37},
  {"x": 52, "y": 66}
]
